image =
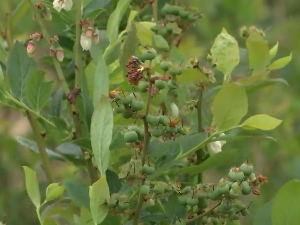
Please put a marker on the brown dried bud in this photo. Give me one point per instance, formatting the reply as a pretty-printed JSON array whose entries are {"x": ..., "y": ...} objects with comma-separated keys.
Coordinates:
[{"x": 262, "y": 179}]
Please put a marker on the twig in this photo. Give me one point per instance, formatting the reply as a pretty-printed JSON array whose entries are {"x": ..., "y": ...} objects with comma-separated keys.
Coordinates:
[
  {"x": 199, "y": 217},
  {"x": 41, "y": 145},
  {"x": 144, "y": 155},
  {"x": 78, "y": 51},
  {"x": 154, "y": 9}
]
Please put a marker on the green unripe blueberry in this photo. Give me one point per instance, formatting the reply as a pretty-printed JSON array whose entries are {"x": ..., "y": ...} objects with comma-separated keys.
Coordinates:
[
  {"x": 152, "y": 120},
  {"x": 173, "y": 71},
  {"x": 111, "y": 202},
  {"x": 182, "y": 131},
  {"x": 147, "y": 170},
  {"x": 122, "y": 197},
  {"x": 227, "y": 203},
  {"x": 123, "y": 205},
  {"x": 164, "y": 65},
  {"x": 183, "y": 14},
  {"x": 223, "y": 209},
  {"x": 252, "y": 177},
  {"x": 186, "y": 190},
  {"x": 137, "y": 105},
  {"x": 182, "y": 199},
  {"x": 236, "y": 174},
  {"x": 157, "y": 132},
  {"x": 160, "y": 84},
  {"x": 214, "y": 220},
  {"x": 233, "y": 216},
  {"x": 127, "y": 114},
  {"x": 171, "y": 9},
  {"x": 126, "y": 100},
  {"x": 203, "y": 203},
  {"x": 171, "y": 84},
  {"x": 246, "y": 189},
  {"x": 159, "y": 189},
  {"x": 244, "y": 212},
  {"x": 164, "y": 120},
  {"x": 120, "y": 108},
  {"x": 215, "y": 195},
  {"x": 192, "y": 201},
  {"x": 143, "y": 86},
  {"x": 149, "y": 54},
  {"x": 171, "y": 130},
  {"x": 204, "y": 220},
  {"x": 131, "y": 136},
  {"x": 223, "y": 189},
  {"x": 246, "y": 168},
  {"x": 191, "y": 18},
  {"x": 144, "y": 190},
  {"x": 201, "y": 195},
  {"x": 233, "y": 193}
]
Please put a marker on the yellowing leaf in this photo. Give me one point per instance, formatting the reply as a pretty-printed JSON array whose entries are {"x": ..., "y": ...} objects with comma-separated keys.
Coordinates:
[
  {"x": 280, "y": 63},
  {"x": 230, "y": 106},
  {"x": 54, "y": 191},
  {"x": 262, "y": 122},
  {"x": 99, "y": 193},
  {"x": 258, "y": 51},
  {"x": 225, "y": 53},
  {"x": 273, "y": 51},
  {"x": 144, "y": 34}
]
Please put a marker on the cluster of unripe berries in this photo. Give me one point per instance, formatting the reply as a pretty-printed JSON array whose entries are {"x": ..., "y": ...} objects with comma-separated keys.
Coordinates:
[{"x": 176, "y": 18}]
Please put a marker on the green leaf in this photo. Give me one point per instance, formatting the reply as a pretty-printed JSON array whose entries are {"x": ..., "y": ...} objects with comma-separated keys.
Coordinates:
[
  {"x": 113, "y": 181},
  {"x": 85, "y": 217},
  {"x": 56, "y": 102},
  {"x": 230, "y": 106},
  {"x": 258, "y": 52},
  {"x": 176, "y": 56},
  {"x": 99, "y": 193},
  {"x": 54, "y": 191},
  {"x": 84, "y": 143},
  {"x": 223, "y": 158},
  {"x": 114, "y": 20},
  {"x": 160, "y": 43},
  {"x": 265, "y": 83},
  {"x": 78, "y": 193},
  {"x": 37, "y": 90},
  {"x": 225, "y": 53},
  {"x": 101, "y": 81},
  {"x": 262, "y": 122},
  {"x": 3, "y": 52},
  {"x": 93, "y": 14},
  {"x": 280, "y": 63},
  {"x": 273, "y": 51},
  {"x": 19, "y": 66},
  {"x": 94, "y": 5},
  {"x": 101, "y": 133},
  {"x": 145, "y": 35},
  {"x": 189, "y": 76},
  {"x": 32, "y": 186},
  {"x": 285, "y": 206},
  {"x": 112, "y": 51},
  {"x": 263, "y": 215},
  {"x": 17, "y": 15}
]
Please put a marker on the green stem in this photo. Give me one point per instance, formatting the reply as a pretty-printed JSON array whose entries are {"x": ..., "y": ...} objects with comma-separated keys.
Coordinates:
[
  {"x": 154, "y": 9},
  {"x": 144, "y": 155},
  {"x": 41, "y": 145},
  {"x": 199, "y": 152},
  {"x": 78, "y": 51}
]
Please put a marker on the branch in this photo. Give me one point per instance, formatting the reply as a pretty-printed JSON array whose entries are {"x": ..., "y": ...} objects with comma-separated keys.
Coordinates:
[
  {"x": 154, "y": 9},
  {"x": 78, "y": 50},
  {"x": 144, "y": 155},
  {"x": 41, "y": 145},
  {"x": 199, "y": 217}
]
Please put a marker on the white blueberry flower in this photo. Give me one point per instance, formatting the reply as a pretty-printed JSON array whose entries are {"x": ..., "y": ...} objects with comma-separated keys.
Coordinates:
[
  {"x": 216, "y": 146},
  {"x": 62, "y": 4},
  {"x": 85, "y": 42},
  {"x": 174, "y": 110}
]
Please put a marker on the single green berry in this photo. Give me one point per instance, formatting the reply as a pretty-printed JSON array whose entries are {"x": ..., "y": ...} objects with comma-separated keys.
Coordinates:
[
  {"x": 143, "y": 86},
  {"x": 191, "y": 18},
  {"x": 233, "y": 216},
  {"x": 120, "y": 108},
  {"x": 147, "y": 170},
  {"x": 186, "y": 190},
  {"x": 123, "y": 205},
  {"x": 157, "y": 132},
  {"x": 236, "y": 174},
  {"x": 214, "y": 220},
  {"x": 127, "y": 114},
  {"x": 223, "y": 209},
  {"x": 233, "y": 193},
  {"x": 164, "y": 65},
  {"x": 111, "y": 203},
  {"x": 182, "y": 131},
  {"x": 201, "y": 195},
  {"x": 227, "y": 203},
  {"x": 246, "y": 189},
  {"x": 171, "y": 130},
  {"x": 204, "y": 220},
  {"x": 215, "y": 195},
  {"x": 192, "y": 201},
  {"x": 126, "y": 100},
  {"x": 137, "y": 105},
  {"x": 183, "y": 14},
  {"x": 244, "y": 212},
  {"x": 172, "y": 84},
  {"x": 152, "y": 120},
  {"x": 159, "y": 189},
  {"x": 149, "y": 54},
  {"x": 160, "y": 84},
  {"x": 131, "y": 136},
  {"x": 144, "y": 189},
  {"x": 173, "y": 71},
  {"x": 164, "y": 120},
  {"x": 182, "y": 199},
  {"x": 223, "y": 189},
  {"x": 203, "y": 203},
  {"x": 247, "y": 168}
]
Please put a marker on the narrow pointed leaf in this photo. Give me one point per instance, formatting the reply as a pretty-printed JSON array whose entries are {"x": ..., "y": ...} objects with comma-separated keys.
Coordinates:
[
  {"x": 273, "y": 51},
  {"x": 262, "y": 122},
  {"x": 280, "y": 63},
  {"x": 101, "y": 133},
  {"x": 32, "y": 186}
]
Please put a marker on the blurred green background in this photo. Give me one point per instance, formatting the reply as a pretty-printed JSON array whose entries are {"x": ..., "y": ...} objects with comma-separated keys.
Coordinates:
[{"x": 279, "y": 161}]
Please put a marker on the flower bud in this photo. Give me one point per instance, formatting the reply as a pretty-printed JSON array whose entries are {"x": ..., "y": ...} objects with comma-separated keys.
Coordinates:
[
  {"x": 60, "y": 54},
  {"x": 51, "y": 51},
  {"x": 47, "y": 15},
  {"x": 30, "y": 47},
  {"x": 89, "y": 31},
  {"x": 96, "y": 38},
  {"x": 174, "y": 110},
  {"x": 85, "y": 42},
  {"x": 215, "y": 147},
  {"x": 36, "y": 36}
]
